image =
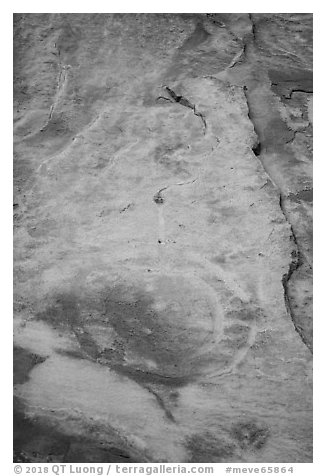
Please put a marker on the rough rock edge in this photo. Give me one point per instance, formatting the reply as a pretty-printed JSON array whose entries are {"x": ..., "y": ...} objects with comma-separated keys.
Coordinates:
[{"x": 297, "y": 259}]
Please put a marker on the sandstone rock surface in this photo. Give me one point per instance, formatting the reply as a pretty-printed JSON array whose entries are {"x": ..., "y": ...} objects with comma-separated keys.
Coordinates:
[{"x": 163, "y": 237}]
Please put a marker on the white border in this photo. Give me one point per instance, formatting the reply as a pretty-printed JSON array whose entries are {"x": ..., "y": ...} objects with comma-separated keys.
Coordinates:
[{"x": 319, "y": 178}]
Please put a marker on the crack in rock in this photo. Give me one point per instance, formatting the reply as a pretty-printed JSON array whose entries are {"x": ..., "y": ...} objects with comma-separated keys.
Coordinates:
[
  {"x": 124, "y": 209},
  {"x": 161, "y": 404},
  {"x": 288, "y": 95},
  {"x": 186, "y": 103},
  {"x": 295, "y": 264},
  {"x": 306, "y": 91},
  {"x": 253, "y": 27},
  {"x": 257, "y": 147},
  {"x": 297, "y": 258}
]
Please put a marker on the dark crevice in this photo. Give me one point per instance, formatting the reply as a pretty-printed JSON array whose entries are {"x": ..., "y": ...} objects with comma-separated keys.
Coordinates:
[
  {"x": 161, "y": 404},
  {"x": 245, "y": 49},
  {"x": 306, "y": 91},
  {"x": 253, "y": 27},
  {"x": 184, "y": 102},
  {"x": 290, "y": 90},
  {"x": 124, "y": 209},
  {"x": 291, "y": 139},
  {"x": 162, "y": 97},
  {"x": 257, "y": 147}
]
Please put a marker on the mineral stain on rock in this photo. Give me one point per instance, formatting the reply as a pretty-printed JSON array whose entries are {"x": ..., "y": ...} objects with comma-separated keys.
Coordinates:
[
  {"x": 250, "y": 434},
  {"x": 305, "y": 195},
  {"x": 199, "y": 36},
  {"x": 209, "y": 448},
  {"x": 129, "y": 335},
  {"x": 23, "y": 363},
  {"x": 35, "y": 440}
]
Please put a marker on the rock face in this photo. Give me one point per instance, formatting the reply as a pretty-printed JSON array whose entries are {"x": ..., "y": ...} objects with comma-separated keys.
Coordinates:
[{"x": 163, "y": 237}]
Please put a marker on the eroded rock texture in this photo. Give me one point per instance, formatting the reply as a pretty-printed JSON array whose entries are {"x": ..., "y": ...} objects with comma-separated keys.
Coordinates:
[{"x": 163, "y": 237}]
